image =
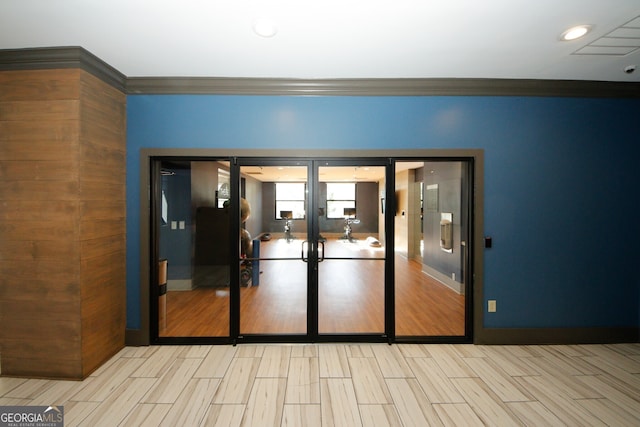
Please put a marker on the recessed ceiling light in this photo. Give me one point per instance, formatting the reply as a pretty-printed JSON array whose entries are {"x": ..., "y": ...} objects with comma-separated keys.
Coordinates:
[
  {"x": 576, "y": 32},
  {"x": 265, "y": 27}
]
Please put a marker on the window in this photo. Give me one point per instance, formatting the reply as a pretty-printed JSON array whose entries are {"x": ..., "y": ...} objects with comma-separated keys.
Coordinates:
[
  {"x": 290, "y": 197},
  {"x": 340, "y": 195}
]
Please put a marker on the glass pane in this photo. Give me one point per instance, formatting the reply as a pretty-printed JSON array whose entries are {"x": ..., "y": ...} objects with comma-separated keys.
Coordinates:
[
  {"x": 341, "y": 191},
  {"x": 289, "y": 210},
  {"x": 351, "y": 276},
  {"x": 350, "y": 295},
  {"x": 194, "y": 251},
  {"x": 429, "y": 259},
  {"x": 290, "y": 191},
  {"x": 274, "y": 300}
]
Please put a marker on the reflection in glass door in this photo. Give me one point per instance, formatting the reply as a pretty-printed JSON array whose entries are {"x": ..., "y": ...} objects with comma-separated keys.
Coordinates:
[
  {"x": 351, "y": 271},
  {"x": 431, "y": 235},
  {"x": 193, "y": 249},
  {"x": 273, "y": 267}
]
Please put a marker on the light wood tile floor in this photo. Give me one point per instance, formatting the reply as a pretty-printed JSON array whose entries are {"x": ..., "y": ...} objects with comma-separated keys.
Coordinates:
[{"x": 349, "y": 385}]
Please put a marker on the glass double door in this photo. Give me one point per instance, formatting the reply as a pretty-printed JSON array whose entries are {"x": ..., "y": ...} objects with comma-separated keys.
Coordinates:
[{"x": 312, "y": 256}]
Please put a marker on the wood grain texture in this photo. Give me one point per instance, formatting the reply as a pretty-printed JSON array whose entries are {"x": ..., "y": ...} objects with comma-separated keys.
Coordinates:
[
  {"x": 351, "y": 299},
  {"x": 103, "y": 280},
  {"x": 126, "y": 390},
  {"x": 62, "y": 226}
]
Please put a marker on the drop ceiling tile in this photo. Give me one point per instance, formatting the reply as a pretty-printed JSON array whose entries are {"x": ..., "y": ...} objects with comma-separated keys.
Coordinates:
[
  {"x": 612, "y": 41},
  {"x": 634, "y": 23},
  {"x": 604, "y": 50},
  {"x": 625, "y": 33}
]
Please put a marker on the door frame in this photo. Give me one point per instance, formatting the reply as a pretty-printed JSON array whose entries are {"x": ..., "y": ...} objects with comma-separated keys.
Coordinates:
[{"x": 475, "y": 260}]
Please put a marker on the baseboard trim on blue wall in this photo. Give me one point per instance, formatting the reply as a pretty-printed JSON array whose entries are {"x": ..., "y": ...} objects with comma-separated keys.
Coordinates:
[
  {"x": 135, "y": 338},
  {"x": 528, "y": 336}
]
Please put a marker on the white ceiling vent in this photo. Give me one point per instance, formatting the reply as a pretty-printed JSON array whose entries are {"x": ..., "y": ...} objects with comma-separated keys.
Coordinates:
[{"x": 621, "y": 41}]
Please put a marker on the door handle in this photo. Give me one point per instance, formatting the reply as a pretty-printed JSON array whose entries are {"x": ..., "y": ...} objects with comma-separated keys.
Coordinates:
[
  {"x": 305, "y": 254},
  {"x": 320, "y": 251}
]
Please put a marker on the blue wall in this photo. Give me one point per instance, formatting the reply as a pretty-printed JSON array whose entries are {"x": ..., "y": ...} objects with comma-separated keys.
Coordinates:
[{"x": 561, "y": 180}]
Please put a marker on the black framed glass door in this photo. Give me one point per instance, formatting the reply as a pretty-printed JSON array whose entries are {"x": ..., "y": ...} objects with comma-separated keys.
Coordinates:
[
  {"x": 352, "y": 242},
  {"x": 318, "y": 262},
  {"x": 191, "y": 296},
  {"x": 292, "y": 250},
  {"x": 274, "y": 266},
  {"x": 433, "y": 234}
]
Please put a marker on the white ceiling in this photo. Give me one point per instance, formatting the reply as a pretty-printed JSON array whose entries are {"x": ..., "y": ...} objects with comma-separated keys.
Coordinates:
[{"x": 335, "y": 38}]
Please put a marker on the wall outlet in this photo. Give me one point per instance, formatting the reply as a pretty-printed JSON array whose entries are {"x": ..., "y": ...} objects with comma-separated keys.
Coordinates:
[{"x": 491, "y": 306}]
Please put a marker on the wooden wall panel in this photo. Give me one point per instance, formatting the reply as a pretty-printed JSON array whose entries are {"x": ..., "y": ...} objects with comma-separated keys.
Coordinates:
[
  {"x": 102, "y": 156},
  {"x": 101, "y": 209},
  {"x": 62, "y": 223},
  {"x": 53, "y": 133},
  {"x": 41, "y": 85},
  {"x": 39, "y": 170},
  {"x": 33, "y": 328},
  {"x": 54, "y": 286},
  {"x": 49, "y": 210},
  {"x": 40, "y": 110}
]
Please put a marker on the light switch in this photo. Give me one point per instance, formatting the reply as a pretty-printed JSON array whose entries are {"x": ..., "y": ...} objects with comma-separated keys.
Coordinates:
[
  {"x": 491, "y": 306},
  {"x": 181, "y": 225},
  {"x": 174, "y": 225}
]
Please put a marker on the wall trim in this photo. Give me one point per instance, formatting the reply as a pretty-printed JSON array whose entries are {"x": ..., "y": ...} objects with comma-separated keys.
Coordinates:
[
  {"x": 545, "y": 336},
  {"x": 48, "y": 58},
  {"x": 135, "y": 338},
  {"x": 454, "y": 285},
  {"x": 382, "y": 87},
  {"x": 179, "y": 285},
  {"x": 78, "y": 57}
]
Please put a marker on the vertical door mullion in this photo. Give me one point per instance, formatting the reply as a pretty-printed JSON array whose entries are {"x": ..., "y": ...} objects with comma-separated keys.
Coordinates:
[
  {"x": 155, "y": 196},
  {"x": 468, "y": 276},
  {"x": 389, "y": 262},
  {"x": 312, "y": 236},
  {"x": 234, "y": 251}
]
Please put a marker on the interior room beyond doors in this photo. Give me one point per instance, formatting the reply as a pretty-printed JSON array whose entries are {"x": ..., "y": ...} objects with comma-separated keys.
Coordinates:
[{"x": 313, "y": 255}]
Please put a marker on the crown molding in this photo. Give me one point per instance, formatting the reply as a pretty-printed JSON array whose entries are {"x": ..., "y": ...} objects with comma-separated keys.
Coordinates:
[
  {"x": 61, "y": 58},
  {"x": 78, "y": 57},
  {"x": 382, "y": 87}
]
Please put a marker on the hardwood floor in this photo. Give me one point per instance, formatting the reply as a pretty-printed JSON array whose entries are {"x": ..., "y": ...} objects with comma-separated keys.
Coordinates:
[
  {"x": 349, "y": 385},
  {"x": 350, "y": 297}
]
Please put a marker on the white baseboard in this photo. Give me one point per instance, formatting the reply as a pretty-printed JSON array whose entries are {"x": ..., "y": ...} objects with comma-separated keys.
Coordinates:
[
  {"x": 179, "y": 285},
  {"x": 444, "y": 279}
]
